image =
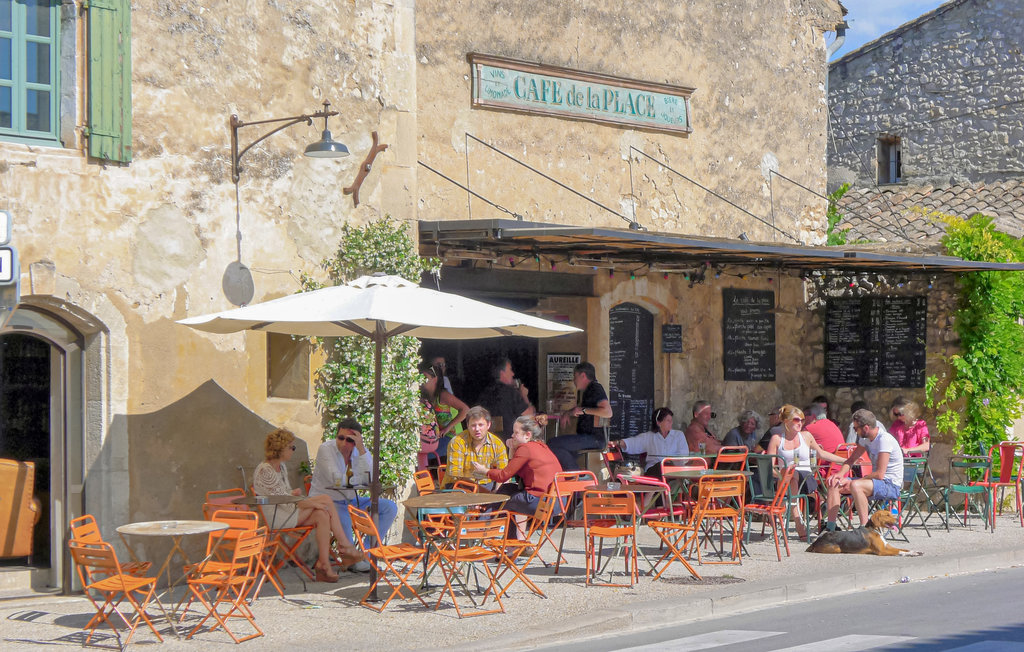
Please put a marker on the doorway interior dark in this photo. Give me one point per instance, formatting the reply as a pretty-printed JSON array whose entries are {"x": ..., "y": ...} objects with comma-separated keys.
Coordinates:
[
  {"x": 25, "y": 421},
  {"x": 469, "y": 362}
]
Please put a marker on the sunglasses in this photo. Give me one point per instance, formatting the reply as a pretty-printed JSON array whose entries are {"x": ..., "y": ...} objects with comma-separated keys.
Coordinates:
[
  {"x": 797, "y": 419},
  {"x": 348, "y": 439}
]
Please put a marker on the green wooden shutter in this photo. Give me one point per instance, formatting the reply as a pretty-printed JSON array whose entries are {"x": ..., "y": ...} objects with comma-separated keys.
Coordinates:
[{"x": 110, "y": 80}]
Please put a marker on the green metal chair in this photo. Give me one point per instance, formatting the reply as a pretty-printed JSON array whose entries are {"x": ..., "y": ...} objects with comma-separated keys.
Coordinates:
[{"x": 964, "y": 472}]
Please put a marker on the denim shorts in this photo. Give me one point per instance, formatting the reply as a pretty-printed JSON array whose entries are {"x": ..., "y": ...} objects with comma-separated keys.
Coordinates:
[{"x": 884, "y": 490}]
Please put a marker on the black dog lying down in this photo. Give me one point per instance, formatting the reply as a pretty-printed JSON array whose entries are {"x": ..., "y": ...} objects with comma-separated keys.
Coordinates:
[{"x": 865, "y": 540}]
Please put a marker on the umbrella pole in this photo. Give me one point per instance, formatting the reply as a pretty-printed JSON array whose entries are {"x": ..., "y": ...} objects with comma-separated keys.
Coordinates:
[{"x": 378, "y": 353}]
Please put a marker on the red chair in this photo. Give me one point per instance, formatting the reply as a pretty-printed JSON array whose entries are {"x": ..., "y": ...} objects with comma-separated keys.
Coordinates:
[
  {"x": 1009, "y": 476},
  {"x": 774, "y": 513},
  {"x": 649, "y": 511},
  {"x": 566, "y": 485}
]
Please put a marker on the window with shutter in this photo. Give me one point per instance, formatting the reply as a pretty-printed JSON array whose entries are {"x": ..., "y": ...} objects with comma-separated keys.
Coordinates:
[
  {"x": 110, "y": 80},
  {"x": 29, "y": 57}
]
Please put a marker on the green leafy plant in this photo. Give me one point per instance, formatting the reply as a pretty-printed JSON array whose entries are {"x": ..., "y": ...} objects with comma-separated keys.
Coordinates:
[
  {"x": 981, "y": 394},
  {"x": 345, "y": 383},
  {"x": 836, "y": 237}
]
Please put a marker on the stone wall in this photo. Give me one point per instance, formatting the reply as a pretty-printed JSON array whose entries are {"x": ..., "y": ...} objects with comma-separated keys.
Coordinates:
[
  {"x": 950, "y": 85},
  {"x": 758, "y": 105}
]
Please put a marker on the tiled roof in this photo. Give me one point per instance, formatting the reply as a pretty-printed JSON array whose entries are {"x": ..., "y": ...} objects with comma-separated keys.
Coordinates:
[{"x": 871, "y": 214}]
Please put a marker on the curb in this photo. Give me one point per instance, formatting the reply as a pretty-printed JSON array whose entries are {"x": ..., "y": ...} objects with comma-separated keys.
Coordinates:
[{"x": 739, "y": 598}]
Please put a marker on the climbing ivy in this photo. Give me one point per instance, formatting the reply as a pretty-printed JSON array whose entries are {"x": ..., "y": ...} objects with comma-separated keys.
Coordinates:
[
  {"x": 836, "y": 237},
  {"x": 345, "y": 382},
  {"x": 980, "y": 396}
]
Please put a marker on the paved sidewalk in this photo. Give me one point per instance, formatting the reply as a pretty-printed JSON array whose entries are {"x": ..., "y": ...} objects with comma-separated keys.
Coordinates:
[{"x": 328, "y": 614}]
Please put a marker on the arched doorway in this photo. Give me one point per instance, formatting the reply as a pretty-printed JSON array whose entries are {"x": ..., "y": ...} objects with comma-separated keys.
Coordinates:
[{"x": 41, "y": 420}]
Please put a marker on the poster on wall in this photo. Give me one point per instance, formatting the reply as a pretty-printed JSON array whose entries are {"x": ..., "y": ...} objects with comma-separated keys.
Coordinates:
[{"x": 561, "y": 390}]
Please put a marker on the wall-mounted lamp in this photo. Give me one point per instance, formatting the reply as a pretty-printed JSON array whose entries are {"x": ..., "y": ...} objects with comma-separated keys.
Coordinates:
[{"x": 326, "y": 147}]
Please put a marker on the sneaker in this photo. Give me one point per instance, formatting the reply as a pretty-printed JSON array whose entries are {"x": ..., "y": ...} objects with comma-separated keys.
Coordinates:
[{"x": 360, "y": 567}]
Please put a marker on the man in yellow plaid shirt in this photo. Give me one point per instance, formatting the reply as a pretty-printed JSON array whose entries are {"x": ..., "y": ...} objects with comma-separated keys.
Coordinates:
[{"x": 476, "y": 444}]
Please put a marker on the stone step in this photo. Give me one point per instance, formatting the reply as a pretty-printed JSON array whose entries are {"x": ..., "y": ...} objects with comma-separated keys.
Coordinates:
[{"x": 24, "y": 581}]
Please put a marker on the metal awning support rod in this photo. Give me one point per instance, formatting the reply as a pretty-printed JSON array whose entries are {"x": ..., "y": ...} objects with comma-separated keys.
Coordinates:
[
  {"x": 632, "y": 223},
  {"x": 475, "y": 194},
  {"x": 773, "y": 173},
  {"x": 712, "y": 192}
]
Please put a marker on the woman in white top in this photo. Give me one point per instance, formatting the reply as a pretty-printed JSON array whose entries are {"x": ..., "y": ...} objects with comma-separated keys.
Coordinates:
[
  {"x": 659, "y": 442},
  {"x": 794, "y": 445},
  {"x": 271, "y": 479}
]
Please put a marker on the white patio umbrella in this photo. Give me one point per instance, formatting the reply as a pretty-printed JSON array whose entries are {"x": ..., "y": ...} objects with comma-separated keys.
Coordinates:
[{"x": 379, "y": 307}]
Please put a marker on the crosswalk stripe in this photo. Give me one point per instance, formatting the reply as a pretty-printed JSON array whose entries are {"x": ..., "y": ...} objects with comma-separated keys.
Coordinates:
[
  {"x": 988, "y": 646},
  {"x": 703, "y": 641},
  {"x": 851, "y": 643}
]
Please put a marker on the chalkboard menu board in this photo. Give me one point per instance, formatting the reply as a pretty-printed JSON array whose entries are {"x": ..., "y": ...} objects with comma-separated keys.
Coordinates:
[
  {"x": 672, "y": 338},
  {"x": 748, "y": 334},
  {"x": 631, "y": 364},
  {"x": 876, "y": 341}
]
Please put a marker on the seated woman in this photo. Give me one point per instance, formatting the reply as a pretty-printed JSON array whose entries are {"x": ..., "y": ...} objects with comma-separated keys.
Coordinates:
[
  {"x": 533, "y": 462},
  {"x": 910, "y": 431},
  {"x": 746, "y": 433},
  {"x": 659, "y": 442},
  {"x": 795, "y": 446},
  {"x": 475, "y": 445},
  {"x": 440, "y": 403},
  {"x": 271, "y": 479}
]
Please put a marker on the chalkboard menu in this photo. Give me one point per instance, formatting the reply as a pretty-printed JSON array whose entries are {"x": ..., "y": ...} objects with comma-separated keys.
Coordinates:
[
  {"x": 672, "y": 338},
  {"x": 631, "y": 364},
  {"x": 876, "y": 341},
  {"x": 748, "y": 334}
]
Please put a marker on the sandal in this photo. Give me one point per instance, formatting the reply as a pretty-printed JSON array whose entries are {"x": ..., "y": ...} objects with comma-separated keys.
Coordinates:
[
  {"x": 349, "y": 557},
  {"x": 325, "y": 575}
]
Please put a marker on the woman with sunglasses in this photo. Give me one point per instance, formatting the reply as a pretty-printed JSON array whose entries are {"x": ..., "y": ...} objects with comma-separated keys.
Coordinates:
[
  {"x": 794, "y": 445},
  {"x": 271, "y": 479},
  {"x": 910, "y": 431}
]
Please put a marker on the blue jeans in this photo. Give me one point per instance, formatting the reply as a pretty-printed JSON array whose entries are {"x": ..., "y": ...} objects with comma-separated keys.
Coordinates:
[{"x": 387, "y": 511}]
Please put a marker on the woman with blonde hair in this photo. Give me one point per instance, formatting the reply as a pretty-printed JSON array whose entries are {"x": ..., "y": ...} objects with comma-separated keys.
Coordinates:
[
  {"x": 910, "y": 431},
  {"x": 271, "y": 479},
  {"x": 794, "y": 445}
]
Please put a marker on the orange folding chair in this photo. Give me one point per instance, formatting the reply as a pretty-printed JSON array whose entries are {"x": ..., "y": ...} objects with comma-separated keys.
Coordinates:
[
  {"x": 466, "y": 486},
  {"x": 610, "y": 515},
  {"x": 774, "y": 513},
  {"x": 678, "y": 537},
  {"x": 720, "y": 500},
  {"x": 650, "y": 511},
  {"x": 85, "y": 530},
  {"x": 567, "y": 485},
  {"x": 681, "y": 498},
  {"x": 406, "y": 556},
  {"x": 732, "y": 458},
  {"x": 100, "y": 573},
  {"x": 223, "y": 589},
  {"x": 539, "y": 524},
  {"x": 285, "y": 542},
  {"x": 477, "y": 541},
  {"x": 424, "y": 482}
]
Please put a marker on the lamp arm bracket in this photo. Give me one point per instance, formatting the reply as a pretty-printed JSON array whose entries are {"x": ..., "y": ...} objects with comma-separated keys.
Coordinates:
[
  {"x": 236, "y": 124},
  {"x": 364, "y": 169}
]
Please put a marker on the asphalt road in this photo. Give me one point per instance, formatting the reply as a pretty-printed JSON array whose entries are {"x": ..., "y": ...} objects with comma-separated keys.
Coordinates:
[{"x": 977, "y": 613}]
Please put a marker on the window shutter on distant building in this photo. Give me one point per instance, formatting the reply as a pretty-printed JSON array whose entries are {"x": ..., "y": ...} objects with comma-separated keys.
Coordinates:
[{"x": 110, "y": 80}]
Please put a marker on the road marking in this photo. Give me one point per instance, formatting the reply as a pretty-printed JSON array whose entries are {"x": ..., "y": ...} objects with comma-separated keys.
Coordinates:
[
  {"x": 703, "y": 641},
  {"x": 851, "y": 643}
]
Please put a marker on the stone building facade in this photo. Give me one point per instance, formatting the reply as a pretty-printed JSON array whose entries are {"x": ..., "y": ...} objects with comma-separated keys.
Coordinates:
[
  {"x": 121, "y": 235},
  {"x": 938, "y": 101}
]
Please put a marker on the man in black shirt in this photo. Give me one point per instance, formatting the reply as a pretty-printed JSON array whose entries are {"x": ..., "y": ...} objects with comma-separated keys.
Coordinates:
[
  {"x": 503, "y": 399},
  {"x": 593, "y": 406}
]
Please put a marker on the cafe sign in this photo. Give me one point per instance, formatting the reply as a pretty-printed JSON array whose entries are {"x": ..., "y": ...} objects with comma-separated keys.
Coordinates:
[{"x": 526, "y": 87}]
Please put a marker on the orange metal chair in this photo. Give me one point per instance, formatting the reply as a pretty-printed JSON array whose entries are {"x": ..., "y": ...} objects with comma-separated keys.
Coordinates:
[
  {"x": 100, "y": 573},
  {"x": 1009, "y": 476},
  {"x": 732, "y": 458},
  {"x": 477, "y": 541},
  {"x": 539, "y": 525},
  {"x": 223, "y": 590},
  {"x": 774, "y": 513},
  {"x": 285, "y": 542},
  {"x": 424, "y": 482},
  {"x": 651, "y": 511},
  {"x": 720, "y": 499},
  {"x": 466, "y": 486},
  {"x": 678, "y": 537},
  {"x": 681, "y": 498},
  {"x": 85, "y": 530},
  {"x": 407, "y": 556},
  {"x": 610, "y": 515},
  {"x": 566, "y": 485}
]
